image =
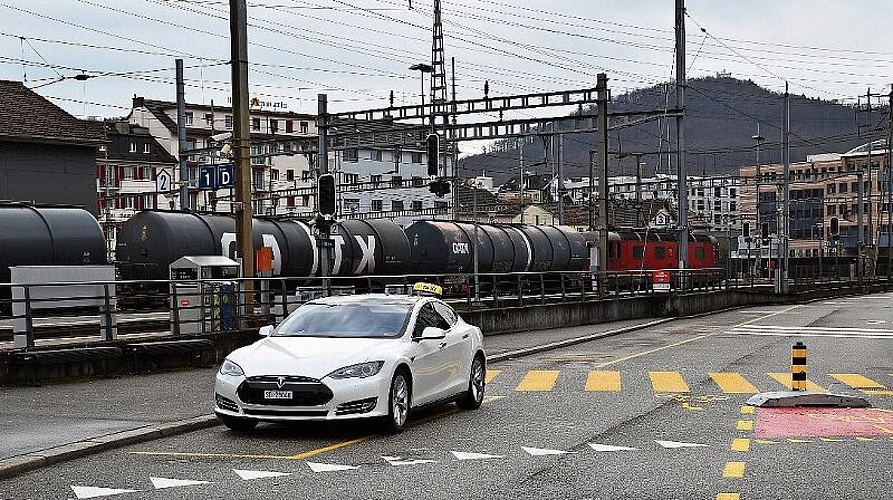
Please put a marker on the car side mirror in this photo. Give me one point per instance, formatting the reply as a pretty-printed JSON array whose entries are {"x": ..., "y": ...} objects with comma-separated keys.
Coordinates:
[
  {"x": 266, "y": 331},
  {"x": 432, "y": 333}
]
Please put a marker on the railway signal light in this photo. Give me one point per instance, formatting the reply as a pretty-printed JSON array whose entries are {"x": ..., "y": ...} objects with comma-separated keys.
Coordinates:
[
  {"x": 745, "y": 230},
  {"x": 835, "y": 226},
  {"x": 764, "y": 233},
  {"x": 326, "y": 194},
  {"x": 432, "y": 148}
]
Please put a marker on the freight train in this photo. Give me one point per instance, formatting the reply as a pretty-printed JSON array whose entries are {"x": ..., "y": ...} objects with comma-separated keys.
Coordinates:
[{"x": 151, "y": 240}]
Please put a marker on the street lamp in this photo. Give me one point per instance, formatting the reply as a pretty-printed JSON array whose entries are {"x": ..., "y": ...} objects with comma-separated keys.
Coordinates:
[
  {"x": 423, "y": 68},
  {"x": 759, "y": 140}
]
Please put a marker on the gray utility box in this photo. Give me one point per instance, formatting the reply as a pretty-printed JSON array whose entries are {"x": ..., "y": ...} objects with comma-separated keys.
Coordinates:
[{"x": 204, "y": 294}]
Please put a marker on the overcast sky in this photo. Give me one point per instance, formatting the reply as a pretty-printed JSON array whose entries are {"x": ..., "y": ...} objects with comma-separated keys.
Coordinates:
[{"x": 357, "y": 51}]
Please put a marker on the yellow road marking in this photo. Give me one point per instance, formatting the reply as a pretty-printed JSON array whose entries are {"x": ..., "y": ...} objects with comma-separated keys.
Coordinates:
[
  {"x": 765, "y": 441},
  {"x": 668, "y": 382},
  {"x": 538, "y": 380},
  {"x": 325, "y": 449},
  {"x": 785, "y": 380},
  {"x": 491, "y": 374},
  {"x": 747, "y": 410},
  {"x": 745, "y": 425},
  {"x": 733, "y": 383},
  {"x": 873, "y": 392},
  {"x": 741, "y": 444},
  {"x": 733, "y": 469},
  {"x": 864, "y": 439},
  {"x": 728, "y": 496},
  {"x": 656, "y": 349},
  {"x": 832, "y": 440},
  {"x": 857, "y": 381},
  {"x": 603, "y": 381},
  {"x": 799, "y": 441}
]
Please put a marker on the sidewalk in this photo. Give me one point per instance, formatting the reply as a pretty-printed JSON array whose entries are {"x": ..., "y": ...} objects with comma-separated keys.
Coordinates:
[{"x": 45, "y": 425}]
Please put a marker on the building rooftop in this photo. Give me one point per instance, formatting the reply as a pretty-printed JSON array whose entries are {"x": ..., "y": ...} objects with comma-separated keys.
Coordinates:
[{"x": 26, "y": 116}]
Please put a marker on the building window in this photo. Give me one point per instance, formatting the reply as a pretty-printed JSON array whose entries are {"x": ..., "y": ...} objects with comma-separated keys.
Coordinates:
[
  {"x": 290, "y": 201},
  {"x": 146, "y": 149},
  {"x": 289, "y": 175},
  {"x": 305, "y": 200},
  {"x": 351, "y": 178},
  {"x": 274, "y": 175},
  {"x": 441, "y": 204},
  {"x": 832, "y": 210},
  {"x": 733, "y": 193},
  {"x": 209, "y": 120},
  {"x": 352, "y": 204},
  {"x": 733, "y": 206},
  {"x": 255, "y": 124},
  {"x": 147, "y": 173},
  {"x": 133, "y": 147},
  {"x": 289, "y": 126},
  {"x": 396, "y": 205},
  {"x": 375, "y": 155},
  {"x": 128, "y": 173},
  {"x": 418, "y": 181},
  {"x": 350, "y": 155},
  {"x": 832, "y": 188},
  {"x": 228, "y": 121},
  {"x": 717, "y": 205},
  {"x": 377, "y": 205},
  {"x": 417, "y": 157},
  {"x": 306, "y": 176},
  {"x": 304, "y": 128},
  {"x": 417, "y": 205},
  {"x": 274, "y": 126},
  {"x": 375, "y": 179},
  {"x": 396, "y": 181},
  {"x": 717, "y": 192},
  {"x": 189, "y": 118}
]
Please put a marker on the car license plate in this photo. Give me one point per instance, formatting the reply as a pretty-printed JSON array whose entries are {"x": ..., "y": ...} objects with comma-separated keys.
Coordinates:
[{"x": 277, "y": 394}]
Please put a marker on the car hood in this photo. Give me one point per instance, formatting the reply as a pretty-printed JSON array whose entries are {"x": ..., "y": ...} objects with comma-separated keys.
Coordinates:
[{"x": 309, "y": 356}]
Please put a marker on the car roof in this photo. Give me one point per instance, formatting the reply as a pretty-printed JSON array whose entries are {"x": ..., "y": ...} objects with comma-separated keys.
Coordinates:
[{"x": 370, "y": 298}]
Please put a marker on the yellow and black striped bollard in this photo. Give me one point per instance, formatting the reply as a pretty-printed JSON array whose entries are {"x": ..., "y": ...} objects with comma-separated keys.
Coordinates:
[{"x": 798, "y": 367}]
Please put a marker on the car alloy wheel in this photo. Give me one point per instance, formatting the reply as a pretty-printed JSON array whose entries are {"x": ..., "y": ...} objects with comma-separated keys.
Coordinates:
[
  {"x": 474, "y": 396},
  {"x": 399, "y": 403}
]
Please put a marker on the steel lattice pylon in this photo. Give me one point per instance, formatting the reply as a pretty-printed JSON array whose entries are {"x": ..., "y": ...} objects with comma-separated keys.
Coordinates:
[{"x": 438, "y": 75}]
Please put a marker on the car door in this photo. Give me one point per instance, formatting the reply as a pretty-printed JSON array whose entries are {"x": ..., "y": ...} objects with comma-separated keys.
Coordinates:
[
  {"x": 428, "y": 370},
  {"x": 457, "y": 353}
]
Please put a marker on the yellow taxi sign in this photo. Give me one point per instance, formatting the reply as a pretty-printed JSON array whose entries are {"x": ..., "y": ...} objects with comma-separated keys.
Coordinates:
[{"x": 427, "y": 288}]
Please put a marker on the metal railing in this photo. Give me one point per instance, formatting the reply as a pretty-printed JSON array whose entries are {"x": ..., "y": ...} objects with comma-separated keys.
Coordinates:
[{"x": 107, "y": 310}]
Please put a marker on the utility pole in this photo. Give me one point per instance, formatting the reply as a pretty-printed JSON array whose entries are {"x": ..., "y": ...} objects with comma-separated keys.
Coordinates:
[
  {"x": 759, "y": 177},
  {"x": 559, "y": 185},
  {"x": 682, "y": 189},
  {"x": 782, "y": 274},
  {"x": 602, "y": 169},
  {"x": 238, "y": 26},
  {"x": 521, "y": 181},
  {"x": 322, "y": 162},
  {"x": 181, "y": 137},
  {"x": 889, "y": 183}
]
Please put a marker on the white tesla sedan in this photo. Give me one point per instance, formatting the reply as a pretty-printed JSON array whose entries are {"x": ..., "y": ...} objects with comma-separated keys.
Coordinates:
[{"x": 354, "y": 357}]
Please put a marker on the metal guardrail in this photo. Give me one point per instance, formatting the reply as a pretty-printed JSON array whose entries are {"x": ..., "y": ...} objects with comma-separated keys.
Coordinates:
[{"x": 165, "y": 307}]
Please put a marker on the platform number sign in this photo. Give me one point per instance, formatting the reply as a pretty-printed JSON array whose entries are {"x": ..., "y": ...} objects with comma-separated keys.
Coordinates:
[
  {"x": 225, "y": 176},
  {"x": 163, "y": 181},
  {"x": 207, "y": 177}
]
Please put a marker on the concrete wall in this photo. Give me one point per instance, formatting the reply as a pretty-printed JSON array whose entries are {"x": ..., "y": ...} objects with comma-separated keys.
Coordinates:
[{"x": 48, "y": 174}]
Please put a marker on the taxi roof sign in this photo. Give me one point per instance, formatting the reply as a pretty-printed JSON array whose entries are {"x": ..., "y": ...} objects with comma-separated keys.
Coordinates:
[{"x": 427, "y": 289}]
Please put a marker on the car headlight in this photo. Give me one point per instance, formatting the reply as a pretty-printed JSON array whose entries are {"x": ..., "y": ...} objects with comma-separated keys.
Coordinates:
[
  {"x": 361, "y": 370},
  {"x": 231, "y": 369}
]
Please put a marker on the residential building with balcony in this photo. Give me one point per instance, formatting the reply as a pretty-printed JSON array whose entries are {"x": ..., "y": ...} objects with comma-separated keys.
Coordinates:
[{"x": 281, "y": 164}]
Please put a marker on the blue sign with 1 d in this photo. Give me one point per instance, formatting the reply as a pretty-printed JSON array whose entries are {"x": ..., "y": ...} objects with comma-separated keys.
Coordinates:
[{"x": 207, "y": 177}]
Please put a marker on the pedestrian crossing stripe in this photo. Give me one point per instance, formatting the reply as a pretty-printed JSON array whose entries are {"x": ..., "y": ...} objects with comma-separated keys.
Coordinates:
[
  {"x": 811, "y": 331},
  {"x": 673, "y": 383}
]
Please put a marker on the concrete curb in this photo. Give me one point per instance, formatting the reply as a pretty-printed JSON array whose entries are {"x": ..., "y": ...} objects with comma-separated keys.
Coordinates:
[{"x": 31, "y": 461}]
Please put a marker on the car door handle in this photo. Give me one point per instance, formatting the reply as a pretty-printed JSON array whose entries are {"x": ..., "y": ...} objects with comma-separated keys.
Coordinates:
[
  {"x": 465, "y": 336},
  {"x": 442, "y": 345}
]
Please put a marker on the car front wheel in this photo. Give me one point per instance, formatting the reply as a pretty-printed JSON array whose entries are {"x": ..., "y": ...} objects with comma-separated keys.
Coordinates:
[
  {"x": 398, "y": 403},
  {"x": 474, "y": 396}
]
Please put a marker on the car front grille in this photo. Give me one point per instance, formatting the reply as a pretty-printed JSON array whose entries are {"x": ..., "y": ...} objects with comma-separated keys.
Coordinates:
[
  {"x": 274, "y": 379},
  {"x": 305, "y": 391},
  {"x": 226, "y": 403},
  {"x": 355, "y": 407}
]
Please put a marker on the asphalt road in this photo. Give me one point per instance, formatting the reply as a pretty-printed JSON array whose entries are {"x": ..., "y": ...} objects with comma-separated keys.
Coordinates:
[{"x": 652, "y": 414}]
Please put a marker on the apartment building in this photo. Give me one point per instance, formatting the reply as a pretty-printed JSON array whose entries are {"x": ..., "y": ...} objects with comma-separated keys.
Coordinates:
[{"x": 280, "y": 158}]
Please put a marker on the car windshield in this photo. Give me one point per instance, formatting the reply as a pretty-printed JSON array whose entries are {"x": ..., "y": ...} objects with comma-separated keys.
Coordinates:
[{"x": 347, "y": 320}]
